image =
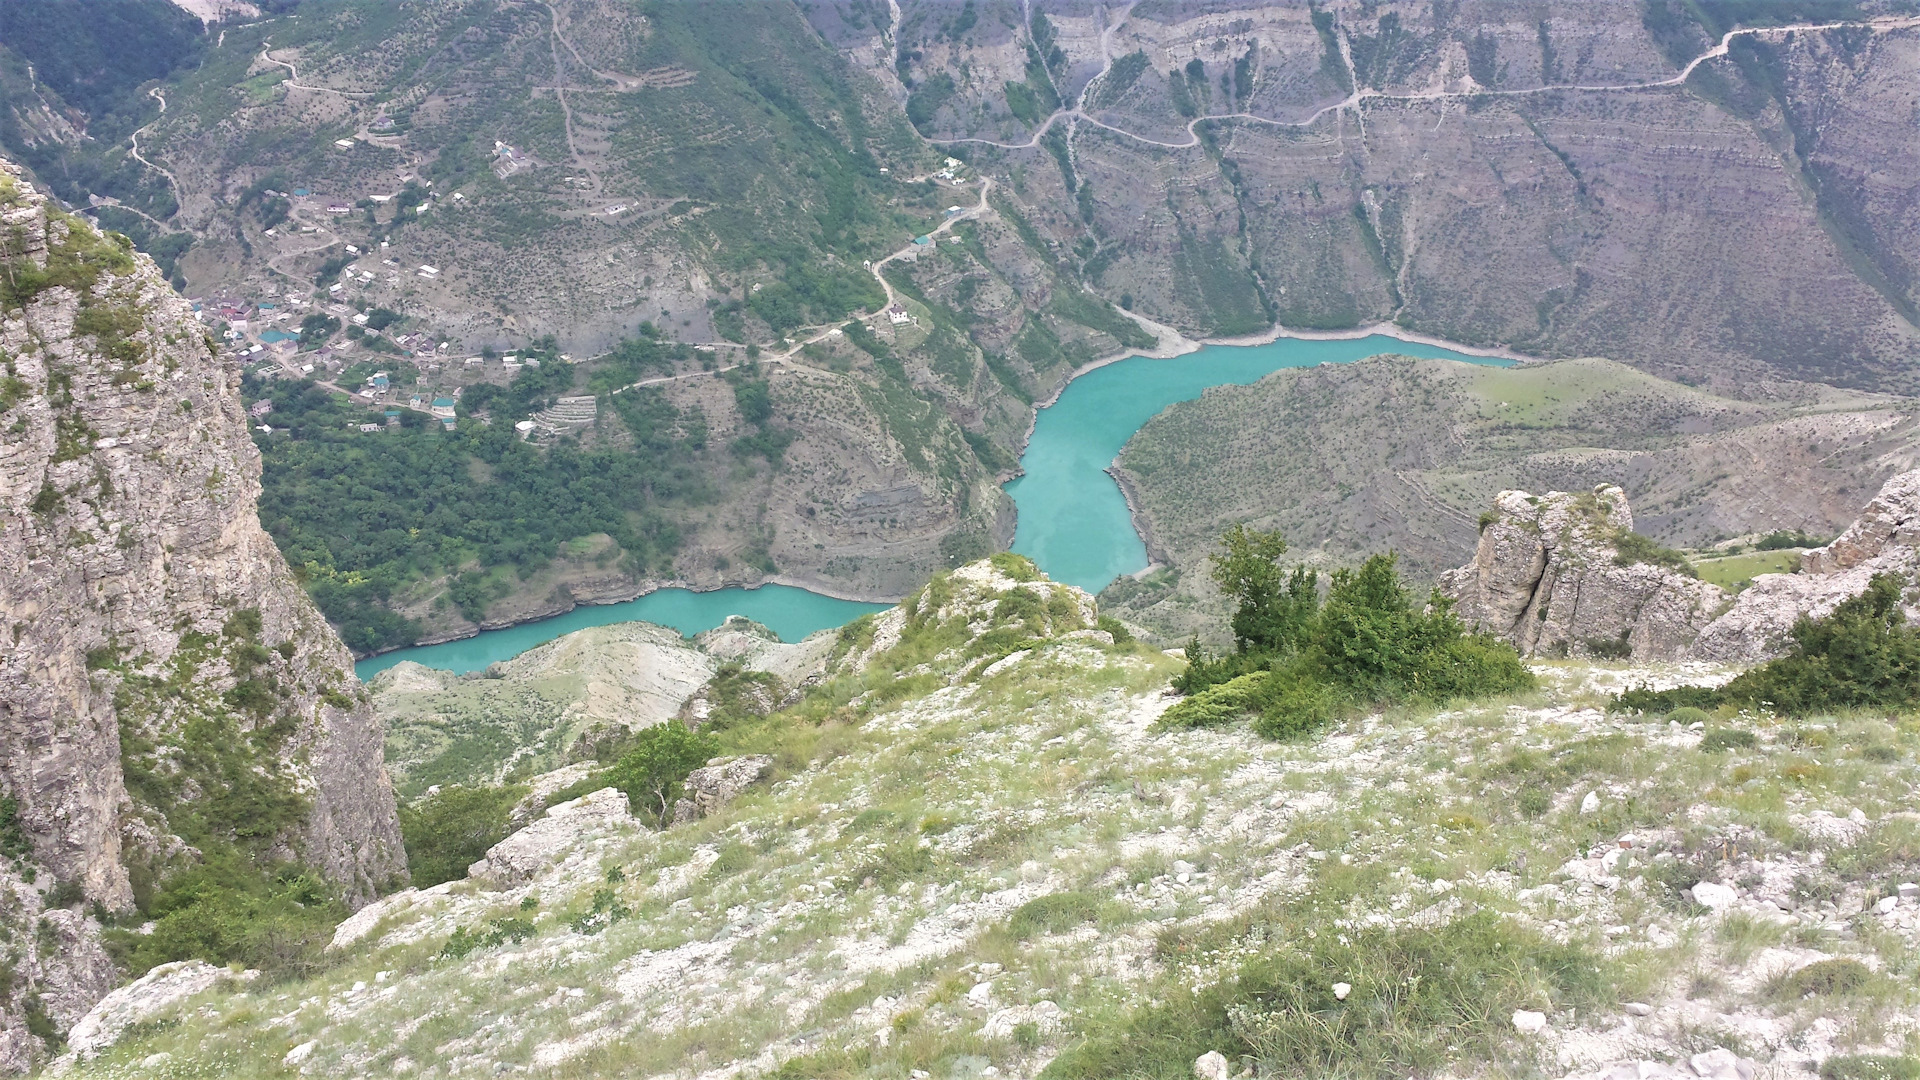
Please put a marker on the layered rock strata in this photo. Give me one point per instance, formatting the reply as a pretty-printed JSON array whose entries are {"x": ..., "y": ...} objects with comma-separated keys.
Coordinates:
[
  {"x": 165, "y": 683},
  {"x": 1549, "y": 576}
]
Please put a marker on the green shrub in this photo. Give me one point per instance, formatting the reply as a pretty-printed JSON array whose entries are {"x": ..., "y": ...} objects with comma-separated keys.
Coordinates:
[
  {"x": 1366, "y": 644},
  {"x": 1724, "y": 739},
  {"x": 1291, "y": 705},
  {"x": 1862, "y": 655},
  {"x": 1687, "y": 716},
  {"x": 1222, "y": 704},
  {"x": 652, "y": 772},
  {"x": 1121, "y": 635},
  {"x": 1826, "y": 978},
  {"x": 226, "y": 911},
  {"x": 1869, "y": 1067},
  {"x": 1641, "y": 699},
  {"x": 13, "y": 838},
  {"x": 1053, "y": 914},
  {"x": 1782, "y": 539},
  {"x": 1631, "y": 548},
  {"x": 449, "y": 831},
  {"x": 496, "y": 932}
]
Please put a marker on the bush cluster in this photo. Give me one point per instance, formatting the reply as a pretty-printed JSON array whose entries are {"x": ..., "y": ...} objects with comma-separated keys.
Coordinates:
[
  {"x": 1299, "y": 661},
  {"x": 1863, "y": 655}
]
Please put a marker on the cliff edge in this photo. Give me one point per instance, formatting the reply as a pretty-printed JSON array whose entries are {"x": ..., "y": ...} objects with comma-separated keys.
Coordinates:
[{"x": 167, "y": 689}]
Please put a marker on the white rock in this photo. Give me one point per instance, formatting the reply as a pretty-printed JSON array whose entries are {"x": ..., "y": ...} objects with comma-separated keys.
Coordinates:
[
  {"x": 143, "y": 999},
  {"x": 1638, "y": 1008},
  {"x": 1529, "y": 1023},
  {"x": 1710, "y": 894},
  {"x": 154, "y": 1061},
  {"x": 1341, "y": 990},
  {"x": 1212, "y": 1065},
  {"x": 524, "y": 854},
  {"x": 1909, "y": 890},
  {"x": 300, "y": 1053},
  {"x": 1721, "y": 1064},
  {"x": 1591, "y": 803},
  {"x": 1886, "y": 904},
  {"x": 981, "y": 994},
  {"x": 1045, "y": 1016},
  {"x": 1857, "y": 816}
]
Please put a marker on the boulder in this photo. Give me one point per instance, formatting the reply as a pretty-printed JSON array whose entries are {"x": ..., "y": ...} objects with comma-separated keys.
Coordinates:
[
  {"x": 144, "y": 999},
  {"x": 1549, "y": 577},
  {"x": 1212, "y": 1065},
  {"x": 719, "y": 782},
  {"x": 1884, "y": 539},
  {"x": 521, "y": 856}
]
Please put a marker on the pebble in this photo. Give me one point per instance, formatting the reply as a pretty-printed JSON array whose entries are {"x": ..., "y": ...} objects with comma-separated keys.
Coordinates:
[
  {"x": 1529, "y": 1023},
  {"x": 1591, "y": 803},
  {"x": 1341, "y": 990}
]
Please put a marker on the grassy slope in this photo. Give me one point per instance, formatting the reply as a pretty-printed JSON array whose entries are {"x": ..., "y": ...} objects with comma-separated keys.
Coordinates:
[
  {"x": 1400, "y": 453},
  {"x": 944, "y": 877}
]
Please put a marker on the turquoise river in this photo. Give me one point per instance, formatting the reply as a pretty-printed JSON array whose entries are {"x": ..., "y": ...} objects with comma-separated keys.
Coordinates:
[{"x": 1073, "y": 520}]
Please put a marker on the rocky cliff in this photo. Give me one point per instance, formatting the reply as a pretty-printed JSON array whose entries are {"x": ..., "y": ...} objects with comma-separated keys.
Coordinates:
[
  {"x": 167, "y": 690},
  {"x": 1552, "y": 576},
  {"x": 1885, "y": 539}
]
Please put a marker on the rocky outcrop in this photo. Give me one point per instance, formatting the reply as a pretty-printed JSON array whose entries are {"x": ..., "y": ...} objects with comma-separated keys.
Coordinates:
[
  {"x": 151, "y": 995},
  {"x": 1885, "y": 539},
  {"x": 717, "y": 783},
  {"x": 526, "y": 853},
  {"x": 1550, "y": 577},
  {"x": 165, "y": 684}
]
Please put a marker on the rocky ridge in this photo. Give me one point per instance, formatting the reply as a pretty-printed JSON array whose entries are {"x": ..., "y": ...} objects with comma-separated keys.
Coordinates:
[
  {"x": 1550, "y": 576},
  {"x": 158, "y": 643}
]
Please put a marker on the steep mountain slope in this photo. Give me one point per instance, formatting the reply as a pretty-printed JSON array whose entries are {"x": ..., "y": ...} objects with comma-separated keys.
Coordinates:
[
  {"x": 1403, "y": 453},
  {"x": 167, "y": 691},
  {"x": 1001, "y": 862},
  {"x": 1564, "y": 181},
  {"x": 1658, "y": 183}
]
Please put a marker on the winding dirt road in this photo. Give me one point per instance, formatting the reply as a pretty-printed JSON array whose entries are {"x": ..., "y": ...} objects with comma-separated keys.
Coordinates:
[{"x": 1357, "y": 100}]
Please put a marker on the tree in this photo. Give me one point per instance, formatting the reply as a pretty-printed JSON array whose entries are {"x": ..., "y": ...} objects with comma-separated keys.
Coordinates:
[
  {"x": 653, "y": 772},
  {"x": 1276, "y": 608}
]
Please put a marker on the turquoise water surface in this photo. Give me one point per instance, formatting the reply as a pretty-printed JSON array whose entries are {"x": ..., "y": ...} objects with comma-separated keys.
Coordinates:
[
  {"x": 790, "y": 612},
  {"x": 1073, "y": 520}
]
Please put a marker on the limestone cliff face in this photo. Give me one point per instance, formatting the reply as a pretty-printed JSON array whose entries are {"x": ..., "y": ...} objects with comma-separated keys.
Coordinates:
[
  {"x": 1548, "y": 577},
  {"x": 1884, "y": 539},
  {"x": 164, "y": 681}
]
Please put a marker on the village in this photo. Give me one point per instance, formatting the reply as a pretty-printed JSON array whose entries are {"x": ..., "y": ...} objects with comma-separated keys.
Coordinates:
[{"x": 348, "y": 332}]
